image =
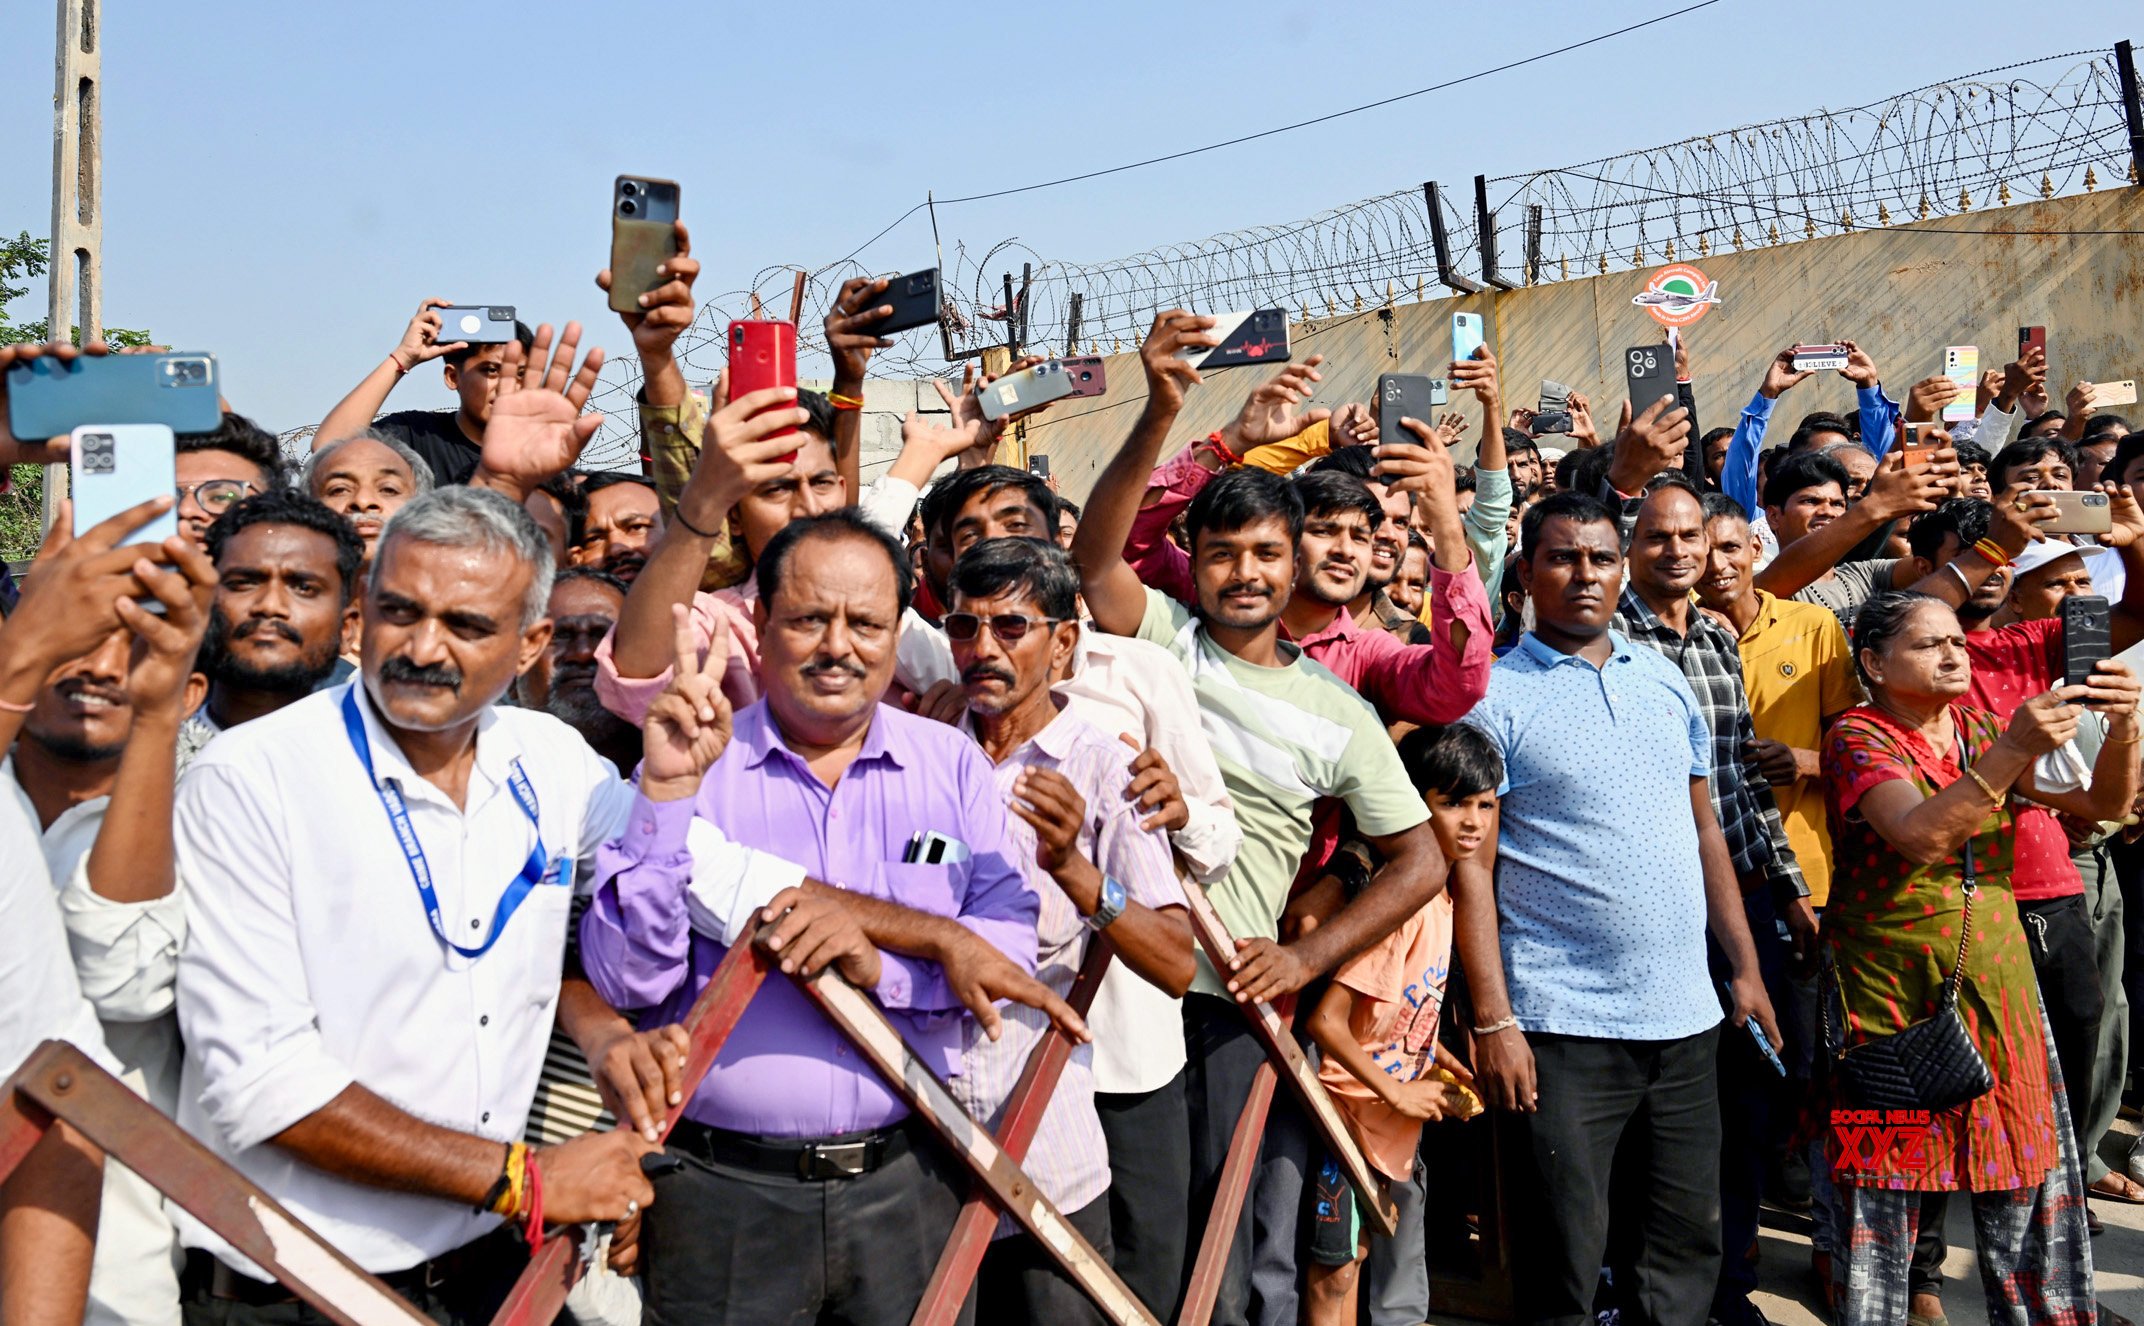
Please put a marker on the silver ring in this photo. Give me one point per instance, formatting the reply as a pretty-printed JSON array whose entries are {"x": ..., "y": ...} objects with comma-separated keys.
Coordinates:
[{"x": 632, "y": 1208}]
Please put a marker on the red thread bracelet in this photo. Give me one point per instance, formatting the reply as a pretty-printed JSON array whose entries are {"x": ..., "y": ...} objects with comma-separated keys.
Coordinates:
[
  {"x": 1220, "y": 448},
  {"x": 533, "y": 1232}
]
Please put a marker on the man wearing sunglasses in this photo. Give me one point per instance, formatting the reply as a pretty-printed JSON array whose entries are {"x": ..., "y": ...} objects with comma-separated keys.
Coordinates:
[
  {"x": 218, "y": 469},
  {"x": 1083, "y": 850}
]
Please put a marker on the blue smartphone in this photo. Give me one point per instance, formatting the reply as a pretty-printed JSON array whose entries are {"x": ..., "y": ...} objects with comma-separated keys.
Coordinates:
[
  {"x": 1756, "y": 1033},
  {"x": 47, "y": 398},
  {"x": 1466, "y": 335},
  {"x": 112, "y": 467},
  {"x": 478, "y": 324}
]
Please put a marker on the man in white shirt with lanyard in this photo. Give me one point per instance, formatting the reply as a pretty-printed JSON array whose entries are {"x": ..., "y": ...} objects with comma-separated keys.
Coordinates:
[{"x": 379, "y": 882}]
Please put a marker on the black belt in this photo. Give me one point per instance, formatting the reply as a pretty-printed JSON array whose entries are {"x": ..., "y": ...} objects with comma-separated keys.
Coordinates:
[
  {"x": 208, "y": 1276},
  {"x": 809, "y": 1158}
]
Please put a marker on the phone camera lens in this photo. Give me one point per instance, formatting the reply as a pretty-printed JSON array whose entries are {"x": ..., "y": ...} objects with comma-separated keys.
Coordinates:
[
  {"x": 628, "y": 207},
  {"x": 629, "y": 189}
]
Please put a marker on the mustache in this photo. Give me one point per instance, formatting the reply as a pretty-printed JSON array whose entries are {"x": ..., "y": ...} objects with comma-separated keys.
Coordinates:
[
  {"x": 987, "y": 672},
  {"x": 74, "y": 686},
  {"x": 400, "y": 669},
  {"x": 841, "y": 665},
  {"x": 254, "y": 625},
  {"x": 1246, "y": 587}
]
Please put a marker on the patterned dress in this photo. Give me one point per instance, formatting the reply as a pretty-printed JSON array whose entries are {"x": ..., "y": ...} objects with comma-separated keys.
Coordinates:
[{"x": 1892, "y": 928}]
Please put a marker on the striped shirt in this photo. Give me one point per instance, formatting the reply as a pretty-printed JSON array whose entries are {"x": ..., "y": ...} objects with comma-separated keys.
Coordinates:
[
  {"x": 1284, "y": 737},
  {"x": 1069, "y": 1160}
]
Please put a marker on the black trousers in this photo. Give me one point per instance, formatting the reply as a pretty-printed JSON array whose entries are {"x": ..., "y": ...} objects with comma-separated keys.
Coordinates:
[
  {"x": 470, "y": 1284},
  {"x": 1597, "y": 1096},
  {"x": 1753, "y": 1098},
  {"x": 1224, "y": 1057},
  {"x": 739, "y": 1247},
  {"x": 1149, "y": 1137},
  {"x": 1021, "y": 1282},
  {"x": 2058, "y": 932}
]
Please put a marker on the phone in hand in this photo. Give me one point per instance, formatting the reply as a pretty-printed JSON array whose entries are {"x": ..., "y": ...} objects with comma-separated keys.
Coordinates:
[
  {"x": 1756, "y": 1033},
  {"x": 47, "y": 398},
  {"x": 2087, "y": 637},
  {"x": 1028, "y": 389},
  {"x": 1405, "y": 396},
  {"x": 643, "y": 236},
  {"x": 1961, "y": 364},
  {"x": 914, "y": 298},
  {"x": 1916, "y": 443},
  {"x": 2088, "y": 512},
  {"x": 1259, "y": 336},
  {"x": 1039, "y": 466},
  {"x": 763, "y": 354},
  {"x": 112, "y": 467},
  {"x": 476, "y": 324},
  {"x": 2103, "y": 393},
  {"x": 1649, "y": 371},
  {"x": 1086, "y": 376},
  {"x": 2031, "y": 338},
  {"x": 1818, "y": 358},
  {"x": 1466, "y": 335}
]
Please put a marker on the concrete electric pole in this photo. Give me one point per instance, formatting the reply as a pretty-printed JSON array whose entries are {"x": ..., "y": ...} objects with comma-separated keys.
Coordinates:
[{"x": 77, "y": 291}]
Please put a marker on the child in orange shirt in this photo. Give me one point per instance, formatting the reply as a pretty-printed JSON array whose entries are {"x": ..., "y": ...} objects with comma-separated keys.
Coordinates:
[{"x": 1377, "y": 1026}]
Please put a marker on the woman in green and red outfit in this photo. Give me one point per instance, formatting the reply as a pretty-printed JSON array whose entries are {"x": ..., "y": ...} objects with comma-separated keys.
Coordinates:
[{"x": 1914, "y": 779}]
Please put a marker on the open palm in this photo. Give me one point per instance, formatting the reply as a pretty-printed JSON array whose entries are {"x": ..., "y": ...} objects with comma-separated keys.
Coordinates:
[{"x": 537, "y": 427}]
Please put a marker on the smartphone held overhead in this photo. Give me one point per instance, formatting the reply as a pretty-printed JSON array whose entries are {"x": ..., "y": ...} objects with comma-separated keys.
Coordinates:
[
  {"x": 1961, "y": 364},
  {"x": 112, "y": 467},
  {"x": 1649, "y": 372},
  {"x": 643, "y": 236},
  {"x": 1029, "y": 389},
  {"x": 1258, "y": 336},
  {"x": 1818, "y": 358},
  {"x": 2081, "y": 513},
  {"x": 1406, "y": 396},
  {"x": 48, "y": 397},
  {"x": 476, "y": 324},
  {"x": 763, "y": 354},
  {"x": 2087, "y": 636}
]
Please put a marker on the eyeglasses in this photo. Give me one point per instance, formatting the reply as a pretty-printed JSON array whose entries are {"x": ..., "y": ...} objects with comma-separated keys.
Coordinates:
[
  {"x": 1009, "y": 627},
  {"x": 217, "y": 495}
]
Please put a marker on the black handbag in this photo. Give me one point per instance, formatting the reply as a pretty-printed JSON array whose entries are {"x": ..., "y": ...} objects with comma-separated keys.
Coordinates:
[{"x": 1930, "y": 1065}]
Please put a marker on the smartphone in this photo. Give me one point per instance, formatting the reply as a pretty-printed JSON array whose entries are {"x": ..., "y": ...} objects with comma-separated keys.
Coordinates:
[
  {"x": 643, "y": 236},
  {"x": 1916, "y": 443},
  {"x": 1961, "y": 364},
  {"x": 1039, "y": 466},
  {"x": 2086, "y": 637},
  {"x": 915, "y": 302},
  {"x": 2031, "y": 338},
  {"x": 1818, "y": 358},
  {"x": 1026, "y": 389},
  {"x": 47, "y": 398},
  {"x": 762, "y": 355},
  {"x": 1756, "y": 1033},
  {"x": 116, "y": 466},
  {"x": 1466, "y": 335},
  {"x": 1650, "y": 372},
  {"x": 2080, "y": 513},
  {"x": 2103, "y": 393},
  {"x": 1086, "y": 375},
  {"x": 1259, "y": 336},
  {"x": 477, "y": 324},
  {"x": 1404, "y": 396},
  {"x": 931, "y": 848}
]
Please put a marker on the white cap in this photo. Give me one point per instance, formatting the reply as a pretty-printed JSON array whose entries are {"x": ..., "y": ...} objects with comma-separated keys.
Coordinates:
[
  {"x": 2043, "y": 551},
  {"x": 1550, "y": 455}
]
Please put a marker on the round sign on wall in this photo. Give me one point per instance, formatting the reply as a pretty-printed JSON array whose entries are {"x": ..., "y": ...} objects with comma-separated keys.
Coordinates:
[{"x": 1677, "y": 295}]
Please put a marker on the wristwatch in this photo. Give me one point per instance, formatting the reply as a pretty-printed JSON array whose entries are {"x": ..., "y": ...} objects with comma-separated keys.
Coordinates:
[{"x": 1113, "y": 902}]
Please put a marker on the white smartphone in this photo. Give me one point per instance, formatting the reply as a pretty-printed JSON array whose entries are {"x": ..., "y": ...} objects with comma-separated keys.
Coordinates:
[
  {"x": 1027, "y": 389},
  {"x": 2114, "y": 393},
  {"x": 112, "y": 467}
]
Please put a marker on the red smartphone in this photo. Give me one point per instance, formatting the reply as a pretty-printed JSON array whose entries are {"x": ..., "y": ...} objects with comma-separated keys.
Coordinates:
[
  {"x": 763, "y": 355},
  {"x": 2031, "y": 338}
]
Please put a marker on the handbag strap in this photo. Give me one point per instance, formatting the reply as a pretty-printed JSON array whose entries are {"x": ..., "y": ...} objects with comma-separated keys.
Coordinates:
[{"x": 1970, "y": 879}]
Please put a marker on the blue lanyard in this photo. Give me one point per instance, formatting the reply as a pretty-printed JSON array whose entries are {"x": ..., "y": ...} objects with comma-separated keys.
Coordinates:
[{"x": 390, "y": 794}]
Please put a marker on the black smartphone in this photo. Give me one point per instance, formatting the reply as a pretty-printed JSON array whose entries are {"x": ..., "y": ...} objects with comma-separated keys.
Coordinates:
[
  {"x": 1039, "y": 466},
  {"x": 2086, "y": 637},
  {"x": 1259, "y": 336},
  {"x": 915, "y": 302},
  {"x": 1650, "y": 371},
  {"x": 1405, "y": 396}
]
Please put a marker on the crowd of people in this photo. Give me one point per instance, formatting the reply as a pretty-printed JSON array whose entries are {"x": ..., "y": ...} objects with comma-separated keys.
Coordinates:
[{"x": 1639, "y": 787}]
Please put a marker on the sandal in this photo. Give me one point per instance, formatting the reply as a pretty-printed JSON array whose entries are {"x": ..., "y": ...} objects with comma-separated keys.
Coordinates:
[{"x": 2123, "y": 1189}]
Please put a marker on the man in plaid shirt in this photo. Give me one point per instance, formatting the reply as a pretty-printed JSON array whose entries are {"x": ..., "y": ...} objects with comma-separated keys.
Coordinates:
[{"x": 1667, "y": 550}]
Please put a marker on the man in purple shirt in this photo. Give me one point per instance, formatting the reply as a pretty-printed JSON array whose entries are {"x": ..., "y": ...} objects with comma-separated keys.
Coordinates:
[{"x": 793, "y": 1154}]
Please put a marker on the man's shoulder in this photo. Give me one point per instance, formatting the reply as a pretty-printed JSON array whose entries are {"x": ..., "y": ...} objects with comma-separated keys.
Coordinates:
[
  {"x": 1799, "y": 614},
  {"x": 294, "y": 733},
  {"x": 406, "y": 425},
  {"x": 1318, "y": 689},
  {"x": 926, "y": 736}
]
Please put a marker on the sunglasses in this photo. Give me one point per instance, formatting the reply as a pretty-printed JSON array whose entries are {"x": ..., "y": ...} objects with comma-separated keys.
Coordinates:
[{"x": 1009, "y": 627}]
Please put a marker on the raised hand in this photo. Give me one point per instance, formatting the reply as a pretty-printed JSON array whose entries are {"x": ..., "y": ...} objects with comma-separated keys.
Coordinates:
[
  {"x": 1168, "y": 375},
  {"x": 1898, "y": 491},
  {"x": 848, "y": 338},
  {"x": 667, "y": 310},
  {"x": 1860, "y": 368},
  {"x": 1478, "y": 375},
  {"x": 537, "y": 427},
  {"x": 2046, "y": 721},
  {"x": 420, "y": 340},
  {"x": 2127, "y": 515},
  {"x": 1584, "y": 432},
  {"x": 35, "y": 450},
  {"x": 156, "y": 684},
  {"x": 1353, "y": 424},
  {"x": 688, "y": 726},
  {"x": 2020, "y": 510},
  {"x": 1653, "y": 442},
  {"x": 1269, "y": 413},
  {"x": 2024, "y": 377},
  {"x": 70, "y": 599},
  {"x": 1780, "y": 374},
  {"x": 1928, "y": 397},
  {"x": 736, "y": 453}
]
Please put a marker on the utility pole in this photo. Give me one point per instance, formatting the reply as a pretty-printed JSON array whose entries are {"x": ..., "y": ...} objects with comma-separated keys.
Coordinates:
[{"x": 76, "y": 266}]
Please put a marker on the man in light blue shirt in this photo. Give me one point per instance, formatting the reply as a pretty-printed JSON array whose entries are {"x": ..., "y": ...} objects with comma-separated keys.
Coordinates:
[
  {"x": 1879, "y": 418},
  {"x": 1586, "y": 954}
]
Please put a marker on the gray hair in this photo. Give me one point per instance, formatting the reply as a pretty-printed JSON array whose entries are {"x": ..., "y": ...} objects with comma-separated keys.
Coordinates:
[
  {"x": 1838, "y": 449},
  {"x": 419, "y": 468},
  {"x": 461, "y": 517}
]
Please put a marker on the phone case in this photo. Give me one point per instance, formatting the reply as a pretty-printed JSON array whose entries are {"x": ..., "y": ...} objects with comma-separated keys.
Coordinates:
[
  {"x": 762, "y": 355},
  {"x": 1650, "y": 372},
  {"x": 1961, "y": 364},
  {"x": 2114, "y": 393},
  {"x": 477, "y": 324},
  {"x": 915, "y": 302},
  {"x": 1026, "y": 389},
  {"x": 1086, "y": 375},
  {"x": 2086, "y": 637},
  {"x": 1818, "y": 358},
  {"x": 112, "y": 467},
  {"x": 2081, "y": 513},
  {"x": 1404, "y": 396},
  {"x": 1039, "y": 466},
  {"x": 1257, "y": 337},
  {"x": 2031, "y": 338},
  {"x": 46, "y": 398},
  {"x": 1466, "y": 335},
  {"x": 643, "y": 236}
]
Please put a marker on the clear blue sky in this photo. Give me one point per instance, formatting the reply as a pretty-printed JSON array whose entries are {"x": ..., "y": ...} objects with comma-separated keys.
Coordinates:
[{"x": 283, "y": 183}]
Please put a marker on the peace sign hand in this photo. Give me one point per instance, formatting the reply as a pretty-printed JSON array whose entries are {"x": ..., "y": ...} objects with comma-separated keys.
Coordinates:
[{"x": 688, "y": 726}]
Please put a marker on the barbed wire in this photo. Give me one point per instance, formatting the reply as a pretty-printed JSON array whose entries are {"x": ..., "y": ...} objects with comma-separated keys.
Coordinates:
[{"x": 2040, "y": 128}]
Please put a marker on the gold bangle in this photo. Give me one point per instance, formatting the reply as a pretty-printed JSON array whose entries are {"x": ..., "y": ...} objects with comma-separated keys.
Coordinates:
[
  {"x": 2111, "y": 740},
  {"x": 841, "y": 402},
  {"x": 1974, "y": 774}
]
